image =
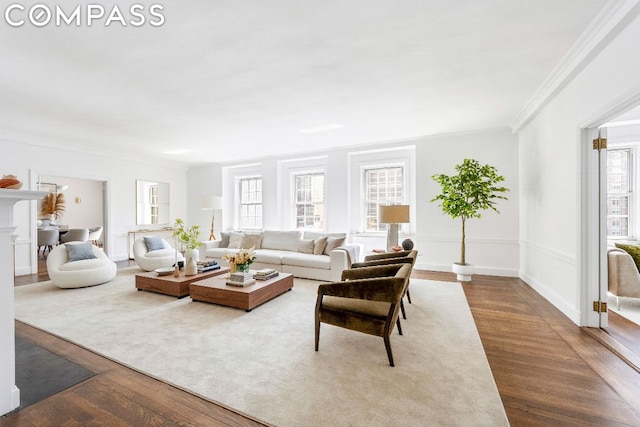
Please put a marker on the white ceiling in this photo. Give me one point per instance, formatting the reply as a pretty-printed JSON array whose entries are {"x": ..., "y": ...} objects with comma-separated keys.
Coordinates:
[{"x": 239, "y": 79}]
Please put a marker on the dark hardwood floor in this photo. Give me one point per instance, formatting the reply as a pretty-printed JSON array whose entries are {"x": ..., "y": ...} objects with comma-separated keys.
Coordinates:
[{"x": 548, "y": 371}]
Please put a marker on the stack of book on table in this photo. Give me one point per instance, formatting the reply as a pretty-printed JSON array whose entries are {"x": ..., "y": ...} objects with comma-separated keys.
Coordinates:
[
  {"x": 265, "y": 274},
  {"x": 241, "y": 279},
  {"x": 204, "y": 266}
]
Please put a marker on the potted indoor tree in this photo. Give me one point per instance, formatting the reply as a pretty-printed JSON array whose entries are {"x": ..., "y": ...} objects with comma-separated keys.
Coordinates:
[
  {"x": 189, "y": 239},
  {"x": 473, "y": 189}
]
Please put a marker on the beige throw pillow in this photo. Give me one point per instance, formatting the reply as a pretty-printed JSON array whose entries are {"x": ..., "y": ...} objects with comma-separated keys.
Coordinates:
[
  {"x": 235, "y": 240},
  {"x": 319, "y": 245},
  {"x": 332, "y": 243},
  {"x": 251, "y": 240},
  {"x": 305, "y": 246}
]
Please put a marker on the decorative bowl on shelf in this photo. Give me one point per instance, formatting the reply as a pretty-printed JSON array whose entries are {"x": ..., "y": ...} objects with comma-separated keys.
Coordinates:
[{"x": 164, "y": 271}]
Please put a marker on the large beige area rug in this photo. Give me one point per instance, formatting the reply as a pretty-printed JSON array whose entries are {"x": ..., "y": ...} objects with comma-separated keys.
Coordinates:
[{"x": 263, "y": 363}]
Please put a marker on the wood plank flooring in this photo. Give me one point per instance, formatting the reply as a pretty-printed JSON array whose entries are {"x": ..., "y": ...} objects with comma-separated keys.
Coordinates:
[{"x": 548, "y": 372}]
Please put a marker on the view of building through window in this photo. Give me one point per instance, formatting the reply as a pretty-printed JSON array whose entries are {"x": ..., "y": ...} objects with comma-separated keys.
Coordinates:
[
  {"x": 251, "y": 203},
  {"x": 382, "y": 186},
  {"x": 619, "y": 193},
  {"x": 309, "y": 201}
]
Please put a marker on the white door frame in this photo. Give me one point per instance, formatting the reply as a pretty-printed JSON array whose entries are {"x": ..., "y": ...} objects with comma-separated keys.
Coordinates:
[
  {"x": 594, "y": 215},
  {"x": 593, "y": 265}
]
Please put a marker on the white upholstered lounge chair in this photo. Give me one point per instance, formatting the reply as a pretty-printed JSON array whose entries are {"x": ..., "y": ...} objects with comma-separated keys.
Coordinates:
[
  {"x": 151, "y": 260},
  {"x": 82, "y": 273}
]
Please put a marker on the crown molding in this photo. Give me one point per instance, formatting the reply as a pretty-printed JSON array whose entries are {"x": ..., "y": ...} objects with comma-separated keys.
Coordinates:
[
  {"x": 611, "y": 20},
  {"x": 57, "y": 145}
]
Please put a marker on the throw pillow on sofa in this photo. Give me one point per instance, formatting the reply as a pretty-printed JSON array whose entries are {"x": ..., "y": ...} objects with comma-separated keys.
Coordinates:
[
  {"x": 332, "y": 243},
  {"x": 224, "y": 239},
  {"x": 319, "y": 244},
  {"x": 305, "y": 246},
  {"x": 235, "y": 240},
  {"x": 251, "y": 240}
]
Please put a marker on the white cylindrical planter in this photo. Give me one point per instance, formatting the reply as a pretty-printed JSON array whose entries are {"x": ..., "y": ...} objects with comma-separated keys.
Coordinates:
[
  {"x": 191, "y": 258},
  {"x": 463, "y": 272}
]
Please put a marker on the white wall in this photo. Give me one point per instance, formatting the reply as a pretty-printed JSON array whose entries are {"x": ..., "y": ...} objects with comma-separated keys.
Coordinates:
[
  {"x": 492, "y": 240},
  {"x": 551, "y": 172},
  {"x": 83, "y": 201},
  {"x": 27, "y": 159}
]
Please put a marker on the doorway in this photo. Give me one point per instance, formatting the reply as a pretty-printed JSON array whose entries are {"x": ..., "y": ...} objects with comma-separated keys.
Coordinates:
[
  {"x": 85, "y": 205},
  {"x": 619, "y": 203}
]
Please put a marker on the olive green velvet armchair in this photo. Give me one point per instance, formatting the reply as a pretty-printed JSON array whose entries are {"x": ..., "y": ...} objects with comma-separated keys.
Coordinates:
[
  {"x": 388, "y": 258},
  {"x": 367, "y": 300}
]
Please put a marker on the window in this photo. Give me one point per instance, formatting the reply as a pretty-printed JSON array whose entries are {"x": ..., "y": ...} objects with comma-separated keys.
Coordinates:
[
  {"x": 382, "y": 186},
  {"x": 309, "y": 201},
  {"x": 619, "y": 193},
  {"x": 250, "y": 203},
  {"x": 153, "y": 200}
]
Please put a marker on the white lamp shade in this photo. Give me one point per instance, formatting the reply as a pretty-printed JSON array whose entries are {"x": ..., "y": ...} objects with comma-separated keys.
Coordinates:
[
  {"x": 394, "y": 214},
  {"x": 210, "y": 203}
]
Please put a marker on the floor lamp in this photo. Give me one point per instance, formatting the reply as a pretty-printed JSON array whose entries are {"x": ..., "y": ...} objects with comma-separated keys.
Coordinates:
[
  {"x": 393, "y": 215},
  {"x": 211, "y": 203}
]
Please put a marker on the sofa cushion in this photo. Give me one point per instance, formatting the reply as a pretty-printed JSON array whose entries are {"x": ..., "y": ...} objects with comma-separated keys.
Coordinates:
[
  {"x": 306, "y": 260},
  {"x": 80, "y": 251},
  {"x": 269, "y": 256},
  {"x": 282, "y": 240},
  {"x": 305, "y": 246},
  {"x": 154, "y": 243},
  {"x": 332, "y": 243},
  {"x": 219, "y": 252},
  {"x": 251, "y": 240},
  {"x": 235, "y": 240},
  {"x": 319, "y": 244}
]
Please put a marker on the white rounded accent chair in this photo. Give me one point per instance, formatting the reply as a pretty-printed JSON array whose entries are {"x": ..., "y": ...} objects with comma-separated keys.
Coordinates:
[
  {"x": 154, "y": 259},
  {"x": 81, "y": 273}
]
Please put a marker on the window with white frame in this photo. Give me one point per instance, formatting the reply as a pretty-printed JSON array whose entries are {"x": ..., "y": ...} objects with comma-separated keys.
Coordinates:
[
  {"x": 619, "y": 193},
  {"x": 250, "y": 192},
  {"x": 153, "y": 199},
  {"x": 383, "y": 185},
  {"x": 309, "y": 201}
]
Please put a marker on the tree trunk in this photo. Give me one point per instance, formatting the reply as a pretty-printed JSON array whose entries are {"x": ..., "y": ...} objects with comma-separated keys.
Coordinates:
[{"x": 463, "y": 259}]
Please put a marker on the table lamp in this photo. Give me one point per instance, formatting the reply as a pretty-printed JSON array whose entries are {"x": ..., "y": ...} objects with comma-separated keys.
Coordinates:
[
  {"x": 393, "y": 215},
  {"x": 211, "y": 203}
]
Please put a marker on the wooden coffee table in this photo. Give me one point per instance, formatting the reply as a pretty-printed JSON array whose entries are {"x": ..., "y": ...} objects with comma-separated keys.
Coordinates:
[
  {"x": 215, "y": 290},
  {"x": 170, "y": 285}
]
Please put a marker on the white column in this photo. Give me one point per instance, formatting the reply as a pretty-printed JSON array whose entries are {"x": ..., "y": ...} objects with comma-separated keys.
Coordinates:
[{"x": 9, "y": 393}]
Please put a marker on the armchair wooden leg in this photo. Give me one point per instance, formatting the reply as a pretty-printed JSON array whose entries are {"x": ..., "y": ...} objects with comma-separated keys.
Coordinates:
[
  {"x": 404, "y": 315},
  {"x": 387, "y": 344},
  {"x": 408, "y": 295},
  {"x": 317, "y": 333},
  {"x": 399, "y": 326}
]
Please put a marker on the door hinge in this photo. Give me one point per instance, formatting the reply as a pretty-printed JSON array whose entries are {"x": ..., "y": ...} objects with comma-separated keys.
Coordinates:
[
  {"x": 600, "y": 143},
  {"x": 600, "y": 306}
]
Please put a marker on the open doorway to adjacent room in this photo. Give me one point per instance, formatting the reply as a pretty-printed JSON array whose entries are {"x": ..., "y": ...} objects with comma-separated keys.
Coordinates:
[
  {"x": 623, "y": 227},
  {"x": 84, "y": 203}
]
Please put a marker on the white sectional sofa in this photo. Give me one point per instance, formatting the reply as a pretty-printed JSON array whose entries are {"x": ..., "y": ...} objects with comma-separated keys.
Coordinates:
[{"x": 303, "y": 255}]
